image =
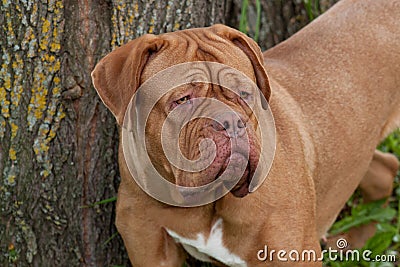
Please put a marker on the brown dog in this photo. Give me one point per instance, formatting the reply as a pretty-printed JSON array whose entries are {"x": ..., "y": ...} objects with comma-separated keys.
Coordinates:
[{"x": 334, "y": 91}]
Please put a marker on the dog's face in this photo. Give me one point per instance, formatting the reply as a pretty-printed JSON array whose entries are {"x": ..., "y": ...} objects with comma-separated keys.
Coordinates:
[
  {"x": 235, "y": 141},
  {"x": 235, "y": 136}
]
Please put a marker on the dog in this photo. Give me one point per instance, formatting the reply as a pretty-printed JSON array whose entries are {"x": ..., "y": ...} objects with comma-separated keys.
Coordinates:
[{"x": 334, "y": 91}]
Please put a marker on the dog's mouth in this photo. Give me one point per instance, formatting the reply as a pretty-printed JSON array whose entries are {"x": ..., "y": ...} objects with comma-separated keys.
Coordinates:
[
  {"x": 242, "y": 187},
  {"x": 234, "y": 166}
]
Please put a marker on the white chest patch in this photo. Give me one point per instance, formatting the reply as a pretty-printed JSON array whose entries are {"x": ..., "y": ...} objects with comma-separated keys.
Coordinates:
[{"x": 203, "y": 249}]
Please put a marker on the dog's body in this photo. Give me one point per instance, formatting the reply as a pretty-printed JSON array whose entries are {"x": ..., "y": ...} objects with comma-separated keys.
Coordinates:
[
  {"x": 334, "y": 93},
  {"x": 344, "y": 79}
]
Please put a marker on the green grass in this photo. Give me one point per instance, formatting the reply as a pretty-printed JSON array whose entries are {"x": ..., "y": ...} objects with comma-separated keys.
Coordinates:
[
  {"x": 312, "y": 8},
  {"x": 104, "y": 201},
  {"x": 244, "y": 25}
]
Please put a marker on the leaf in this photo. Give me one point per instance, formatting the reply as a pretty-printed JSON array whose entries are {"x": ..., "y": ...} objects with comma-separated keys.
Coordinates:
[
  {"x": 385, "y": 227},
  {"x": 379, "y": 243},
  {"x": 362, "y": 214}
]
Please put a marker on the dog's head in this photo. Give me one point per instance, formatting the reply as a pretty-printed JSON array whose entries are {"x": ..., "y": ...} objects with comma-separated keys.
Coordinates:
[{"x": 235, "y": 133}]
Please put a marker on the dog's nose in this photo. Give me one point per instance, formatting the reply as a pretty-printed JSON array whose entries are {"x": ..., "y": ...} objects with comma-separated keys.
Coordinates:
[{"x": 230, "y": 123}]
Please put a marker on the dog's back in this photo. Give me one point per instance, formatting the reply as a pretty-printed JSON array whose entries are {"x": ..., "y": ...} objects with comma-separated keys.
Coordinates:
[{"x": 342, "y": 71}]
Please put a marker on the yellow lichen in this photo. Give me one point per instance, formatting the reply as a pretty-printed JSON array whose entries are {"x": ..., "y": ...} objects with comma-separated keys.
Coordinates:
[
  {"x": 55, "y": 32},
  {"x": 14, "y": 129},
  {"x": 7, "y": 82},
  {"x": 54, "y": 47},
  {"x": 44, "y": 147},
  {"x": 56, "y": 80},
  {"x": 12, "y": 153},
  {"x": 57, "y": 66},
  {"x": 176, "y": 26},
  {"x": 11, "y": 179},
  {"x": 41, "y": 77},
  {"x": 52, "y": 134},
  {"x": 59, "y": 4},
  {"x": 42, "y": 47},
  {"x": 3, "y": 94},
  {"x": 43, "y": 44},
  {"x": 31, "y": 36},
  {"x": 45, "y": 173},
  {"x": 45, "y": 26},
  {"x": 62, "y": 114},
  {"x": 5, "y": 111}
]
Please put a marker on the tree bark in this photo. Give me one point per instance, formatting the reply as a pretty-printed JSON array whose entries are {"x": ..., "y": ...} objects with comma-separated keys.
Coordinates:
[
  {"x": 58, "y": 149},
  {"x": 58, "y": 143}
]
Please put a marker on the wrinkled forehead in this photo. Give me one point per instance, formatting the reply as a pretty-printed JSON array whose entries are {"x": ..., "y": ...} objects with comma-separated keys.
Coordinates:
[
  {"x": 189, "y": 46},
  {"x": 183, "y": 78}
]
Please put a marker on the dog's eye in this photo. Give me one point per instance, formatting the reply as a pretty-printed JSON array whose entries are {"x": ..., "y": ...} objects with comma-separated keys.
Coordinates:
[
  {"x": 244, "y": 94},
  {"x": 183, "y": 100}
]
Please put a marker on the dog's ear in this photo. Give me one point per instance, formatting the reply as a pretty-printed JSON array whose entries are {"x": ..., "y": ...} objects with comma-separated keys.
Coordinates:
[
  {"x": 253, "y": 52},
  {"x": 117, "y": 76}
]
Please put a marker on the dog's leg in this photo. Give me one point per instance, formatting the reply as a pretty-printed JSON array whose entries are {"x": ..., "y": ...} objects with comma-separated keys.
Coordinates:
[
  {"x": 377, "y": 184},
  {"x": 147, "y": 243}
]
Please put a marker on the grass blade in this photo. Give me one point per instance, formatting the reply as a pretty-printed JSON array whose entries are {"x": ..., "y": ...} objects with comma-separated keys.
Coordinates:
[
  {"x": 243, "y": 16},
  {"x": 104, "y": 201}
]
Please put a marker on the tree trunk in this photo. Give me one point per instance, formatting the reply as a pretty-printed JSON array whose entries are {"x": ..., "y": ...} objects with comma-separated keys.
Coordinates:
[
  {"x": 58, "y": 143},
  {"x": 58, "y": 148}
]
